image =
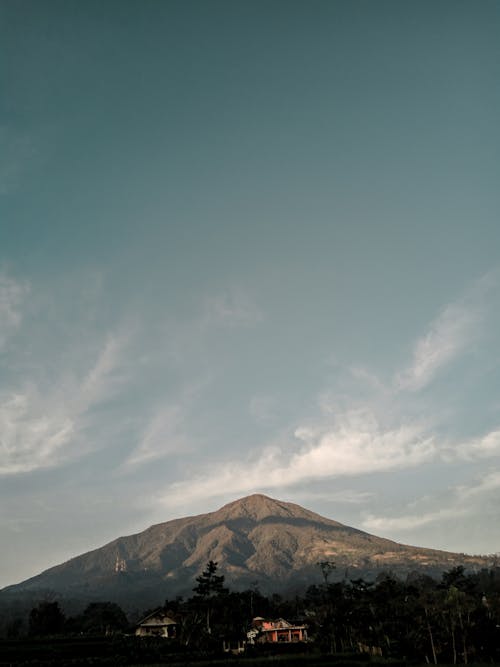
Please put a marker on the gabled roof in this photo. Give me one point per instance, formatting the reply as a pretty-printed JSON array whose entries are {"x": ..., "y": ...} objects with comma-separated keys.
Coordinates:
[{"x": 158, "y": 618}]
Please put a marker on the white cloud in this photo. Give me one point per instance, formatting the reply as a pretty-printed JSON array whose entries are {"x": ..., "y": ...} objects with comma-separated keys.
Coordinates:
[
  {"x": 488, "y": 483},
  {"x": 107, "y": 374},
  {"x": 12, "y": 294},
  {"x": 455, "y": 328},
  {"x": 43, "y": 428},
  {"x": 453, "y": 503},
  {"x": 357, "y": 445},
  {"x": 408, "y": 522},
  {"x": 32, "y": 433},
  {"x": 386, "y": 434},
  {"x": 167, "y": 430},
  {"x": 476, "y": 448},
  {"x": 343, "y": 496},
  {"x": 448, "y": 335},
  {"x": 163, "y": 435}
]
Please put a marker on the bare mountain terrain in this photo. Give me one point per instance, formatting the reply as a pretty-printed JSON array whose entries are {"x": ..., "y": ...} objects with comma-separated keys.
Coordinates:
[{"x": 255, "y": 540}]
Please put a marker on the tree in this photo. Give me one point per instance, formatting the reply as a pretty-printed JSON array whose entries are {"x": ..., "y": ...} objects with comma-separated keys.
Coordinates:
[
  {"x": 210, "y": 585},
  {"x": 103, "y": 618},
  {"x": 46, "y": 619},
  {"x": 327, "y": 567}
]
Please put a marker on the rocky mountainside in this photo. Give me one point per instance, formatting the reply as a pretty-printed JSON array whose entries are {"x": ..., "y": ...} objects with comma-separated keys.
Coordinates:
[{"x": 256, "y": 539}]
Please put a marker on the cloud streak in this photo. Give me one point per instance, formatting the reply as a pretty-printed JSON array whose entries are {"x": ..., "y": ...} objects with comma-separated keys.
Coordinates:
[
  {"x": 454, "y": 329},
  {"x": 459, "y": 501},
  {"x": 356, "y": 446},
  {"x": 408, "y": 522},
  {"x": 167, "y": 429},
  {"x": 44, "y": 429},
  {"x": 163, "y": 435},
  {"x": 447, "y": 337},
  {"x": 385, "y": 434}
]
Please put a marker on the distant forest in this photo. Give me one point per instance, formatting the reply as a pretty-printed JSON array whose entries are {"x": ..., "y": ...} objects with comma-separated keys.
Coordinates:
[{"x": 451, "y": 621}]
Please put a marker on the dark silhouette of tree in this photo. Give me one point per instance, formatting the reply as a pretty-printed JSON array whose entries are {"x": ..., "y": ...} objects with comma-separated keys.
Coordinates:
[
  {"x": 327, "y": 567},
  {"x": 210, "y": 586},
  {"x": 455, "y": 577},
  {"x": 46, "y": 619},
  {"x": 209, "y": 583},
  {"x": 103, "y": 618}
]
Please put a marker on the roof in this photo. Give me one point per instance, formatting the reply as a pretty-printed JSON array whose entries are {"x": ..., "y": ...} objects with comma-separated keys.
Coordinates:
[{"x": 157, "y": 618}]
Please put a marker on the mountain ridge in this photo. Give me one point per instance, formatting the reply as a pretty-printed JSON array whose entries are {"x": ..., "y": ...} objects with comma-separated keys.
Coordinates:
[{"x": 254, "y": 539}]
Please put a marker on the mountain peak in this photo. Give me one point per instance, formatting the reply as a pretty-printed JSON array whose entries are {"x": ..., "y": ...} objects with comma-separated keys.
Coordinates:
[{"x": 258, "y": 507}]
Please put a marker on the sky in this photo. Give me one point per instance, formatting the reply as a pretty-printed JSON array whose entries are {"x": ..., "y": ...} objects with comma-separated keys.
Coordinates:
[{"x": 248, "y": 247}]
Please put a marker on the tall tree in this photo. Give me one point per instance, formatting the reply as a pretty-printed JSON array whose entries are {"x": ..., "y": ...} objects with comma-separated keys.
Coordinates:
[{"x": 210, "y": 585}]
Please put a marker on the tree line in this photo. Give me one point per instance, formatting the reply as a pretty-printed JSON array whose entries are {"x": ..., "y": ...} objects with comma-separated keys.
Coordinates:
[{"x": 453, "y": 620}]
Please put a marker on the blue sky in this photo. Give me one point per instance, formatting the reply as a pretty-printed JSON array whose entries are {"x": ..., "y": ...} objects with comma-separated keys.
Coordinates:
[{"x": 248, "y": 246}]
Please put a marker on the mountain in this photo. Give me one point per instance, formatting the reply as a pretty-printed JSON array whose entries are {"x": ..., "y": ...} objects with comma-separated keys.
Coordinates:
[{"x": 256, "y": 539}]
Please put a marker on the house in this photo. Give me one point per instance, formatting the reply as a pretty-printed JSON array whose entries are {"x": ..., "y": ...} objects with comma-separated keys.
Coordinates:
[
  {"x": 233, "y": 644},
  {"x": 274, "y": 631},
  {"x": 157, "y": 624}
]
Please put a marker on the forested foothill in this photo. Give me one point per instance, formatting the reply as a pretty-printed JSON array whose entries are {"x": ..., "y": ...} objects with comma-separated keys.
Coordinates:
[{"x": 455, "y": 620}]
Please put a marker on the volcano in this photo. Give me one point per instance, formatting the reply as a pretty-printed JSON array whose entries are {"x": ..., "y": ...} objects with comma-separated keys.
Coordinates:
[{"x": 256, "y": 541}]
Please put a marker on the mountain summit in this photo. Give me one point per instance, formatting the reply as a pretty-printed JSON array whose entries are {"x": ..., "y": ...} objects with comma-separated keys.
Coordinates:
[{"x": 256, "y": 539}]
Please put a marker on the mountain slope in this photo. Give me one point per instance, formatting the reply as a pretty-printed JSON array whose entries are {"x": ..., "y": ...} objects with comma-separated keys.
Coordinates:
[{"x": 254, "y": 539}]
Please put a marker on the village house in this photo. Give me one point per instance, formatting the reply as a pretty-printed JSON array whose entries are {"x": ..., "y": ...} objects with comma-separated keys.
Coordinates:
[
  {"x": 157, "y": 624},
  {"x": 234, "y": 645},
  {"x": 274, "y": 631}
]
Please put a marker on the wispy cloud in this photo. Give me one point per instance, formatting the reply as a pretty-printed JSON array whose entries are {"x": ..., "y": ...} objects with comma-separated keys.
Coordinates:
[
  {"x": 106, "y": 375},
  {"x": 456, "y": 327},
  {"x": 357, "y": 445},
  {"x": 452, "y": 503},
  {"x": 366, "y": 432},
  {"x": 163, "y": 435},
  {"x": 447, "y": 337},
  {"x": 408, "y": 522},
  {"x": 12, "y": 294},
  {"x": 31, "y": 435},
  {"x": 486, "y": 446},
  {"x": 42, "y": 428},
  {"x": 166, "y": 432},
  {"x": 486, "y": 484},
  {"x": 342, "y": 496}
]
